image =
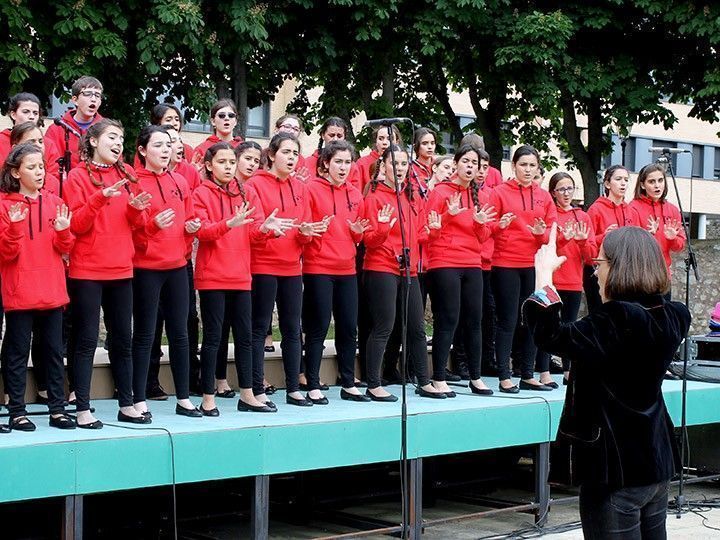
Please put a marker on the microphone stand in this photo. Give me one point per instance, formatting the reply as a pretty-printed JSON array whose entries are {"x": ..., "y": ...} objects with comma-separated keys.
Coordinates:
[{"x": 690, "y": 264}]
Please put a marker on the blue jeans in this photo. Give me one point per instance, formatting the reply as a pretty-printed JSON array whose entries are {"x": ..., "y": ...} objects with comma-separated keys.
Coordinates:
[{"x": 632, "y": 513}]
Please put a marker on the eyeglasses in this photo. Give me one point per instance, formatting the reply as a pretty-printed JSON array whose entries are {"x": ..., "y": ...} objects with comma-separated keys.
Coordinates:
[
  {"x": 597, "y": 260},
  {"x": 91, "y": 93},
  {"x": 565, "y": 190},
  {"x": 290, "y": 127},
  {"x": 223, "y": 115}
]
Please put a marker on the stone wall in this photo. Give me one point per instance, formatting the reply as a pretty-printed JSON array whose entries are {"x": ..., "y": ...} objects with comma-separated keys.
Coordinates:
[{"x": 705, "y": 294}]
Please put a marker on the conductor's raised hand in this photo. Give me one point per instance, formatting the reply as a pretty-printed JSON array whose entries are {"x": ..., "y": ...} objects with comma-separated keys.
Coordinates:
[{"x": 547, "y": 260}]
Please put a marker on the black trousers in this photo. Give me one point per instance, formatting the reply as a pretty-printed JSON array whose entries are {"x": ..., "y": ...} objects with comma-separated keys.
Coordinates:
[
  {"x": 456, "y": 295},
  {"x": 116, "y": 300},
  {"x": 47, "y": 328},
  {"x": 511, "y": 286},
  {"x": 323, "y": 296},
  {"x": 363, "y": 312},
  {"x": 288, "y": 292},
  {"x": 383, "y": 291},
  {"x": 568, "y": 314},
  {"x": 168, "y": 289},
  {"x": 234, "y": 308},
  {"x": 592, "y": 289},
  {"x": 632, "y": 513}
]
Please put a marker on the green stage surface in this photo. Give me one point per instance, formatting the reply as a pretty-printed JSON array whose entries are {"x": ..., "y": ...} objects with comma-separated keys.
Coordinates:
[{"x": 51, "y": 462}]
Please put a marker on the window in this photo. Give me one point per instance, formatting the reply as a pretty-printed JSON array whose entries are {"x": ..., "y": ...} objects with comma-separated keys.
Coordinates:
[
  {"x": 258, "y": 122},
  {"x": 627, "y": 147},
  {"x": 444, "y": 136},
  {"x": 506, "y": 153},
  {"x": 716, "y": 169},
  {"x": 698, "y": 161},
  {"x": 666, "y": 144}
]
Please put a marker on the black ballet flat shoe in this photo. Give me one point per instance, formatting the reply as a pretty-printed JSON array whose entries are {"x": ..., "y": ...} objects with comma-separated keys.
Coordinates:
[
  {"x": 4, "y": 428},
  {"x": 271, "y": 405},
  {"x": 190, "y": 413},
  {"x": 63, "y": 421},
  {"x": 565, "y": 381},
  {"x": 244, "y": 407},
  {"x": 320, "y": 401},
  {"x": 225, "y": 393},
  {"x": 450, "y": 394},
  {"x": 212, "y": 412},
  {"x": 551, "y": 384},
  {"x": 301, "y": 402},
  {"x": 482, "y": 391},
  {"x": 41, "y": 400},
  {"x": 347, "y": 396},
  {"x": 536, "y": 387},
  {"x": 269, "y": 348},
  {"x": 269, "y": 390},
  {"x": 72, "y": 403},
  {"x": 147, "y": 414},
  {"x": 157, "y": 393},
  {"x": 512, "y": 390},
  {"x": 21, "y": 423},
  {"x": 434, "y": 395},
  {"x": 142, "y": 419},
  {"x": 383, "y": 399},
  {"x": 452, "y": 377},
  {"x": 97, "y": 424},
  {"x": 361, "y": 384}
]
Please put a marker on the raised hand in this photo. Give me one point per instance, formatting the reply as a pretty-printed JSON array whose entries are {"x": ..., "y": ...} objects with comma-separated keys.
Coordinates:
[
  {"x": 538, "y": 228},
  {"x": 672, "y": 229},
  {"x": 197, "y": 162},
  {"x": 485, "y": 214},
  {"x": 165, "y": 219},
  {"x": 653, "y": 224},
  {"x": 506, "y": 220},
  {"x": 241, "y": 215},
  {"x": 276, "y": 224},
  {"x": 454, "y": 204},
  {"x": 192, "y": 225},
  {"x": 17, "y": 212},
  {"x": 611, "y": 228},
  {"x": 434, "y": 220},
  {"x": 114, "y": 190},
  {"x": 568, "y": 230},
  {"x": 62, "y": 218},
  {"x": 140, "y": 201},
  {"x": 547, "y": 260},
  {"x": 359, "y": 226},
  {"x": 302, "y": 174},
  {"x": 384, "y": 215},
  {"x": 581, "y": 231}
]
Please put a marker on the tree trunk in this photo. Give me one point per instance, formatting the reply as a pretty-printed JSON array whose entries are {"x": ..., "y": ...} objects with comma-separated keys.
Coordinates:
[
  {"x": 581, "y": 156},
  {"x": 240, "y": 93},
  {"x": 437, "y": 85},
  {"x": 388, "y": 86}
]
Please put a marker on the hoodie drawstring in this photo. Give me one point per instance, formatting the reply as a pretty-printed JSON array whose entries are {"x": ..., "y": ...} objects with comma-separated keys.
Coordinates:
[
  {"x": 160, "y": 189},
  {"x": 27, "y": 199},
  {"x": 522, "y": 197},
  {"x": 332, "y": 191},
  {"x": 347, "y": 198}
]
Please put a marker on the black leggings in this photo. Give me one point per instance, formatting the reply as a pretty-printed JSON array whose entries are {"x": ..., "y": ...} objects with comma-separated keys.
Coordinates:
[
  {"x": 456, "y": 295},
  {"x": 116, "y": 299},
  {"x": 235, "y": 309},
  {"x": 46, "y": 325},
  {"x": 568, "y": 314},
  {"x": 288, "y": 291},
  {"x": 168, "y": 289},
  {"x": 384, "y": 298},
  {"x": 511, "y": 286},
  {"x": 592, "y": 289},
  {"x": 327, "y": 295}
]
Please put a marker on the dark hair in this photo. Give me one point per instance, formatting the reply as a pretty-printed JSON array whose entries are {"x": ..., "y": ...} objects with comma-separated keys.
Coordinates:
[
  {"x": 636, "y": 265},
  {"x": 8, "y": 183},
  {"x": 609, "y": 173},
  {"x": 210, "y": 153},
  {"x": 221, "y": 104},
  {"x": 85, "y": 81},
  {"x": 419, "y": 134},
  {"x": 642, "y": 176},
  {"x": 159, "y": 110},
  {"x": 246, "y": 145},
  {"x": 21, "y": 129},
  {"x": 555, "y": 179},
  {"x": 329, "y": 151},
  {"x": 474, "y": 185},
  {"x": 276, "y": 143},
  {"x": 393, "y": 148},
  {"x": 525, "y": 150},
  {"x": 440, "y": 159},
  {"x": 332, "y": 121},
  {"x": 279, "y": 121},
  {"x": 87, "y": 150},
  {"x": 395, "y": 130},
  {"x": 473, "y": 139},
  {"x": 17, "y": 99},
  {"x": 144, "y": 138}
]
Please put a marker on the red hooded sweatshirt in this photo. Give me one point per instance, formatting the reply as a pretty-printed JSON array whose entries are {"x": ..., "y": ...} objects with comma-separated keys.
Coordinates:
[
  {"x": 31, "y": 264},
  {"x": 421, "y": 171},
  {"x": 103, "y": 227},
  {"x": 363, "y": 167},
  {"x": 665, "y": 212},
  {"x": 213, "y": 139},
  {"x": 460, "y": 240},
  {"x": 515, "y": 246},
  {"x": 569, "y": 277},
  {"x": 163, "y": 249},
  {"x": 223, "y": 255},
  {"x": 56, "y": 136},
  {"x": 383, "y": 245},
  {"x": 281, "y": 257},
  {"x": 333, "y": 253},
  {"x": 4, "y": 145},
  {"x": 603, "y": 213}
]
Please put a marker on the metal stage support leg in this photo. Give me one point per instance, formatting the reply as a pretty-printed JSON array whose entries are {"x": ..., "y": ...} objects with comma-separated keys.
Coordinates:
[
  {"x": 542, "y": 487},
  {"x": 72, "y": 523},
  {"x": 260, "y": 508},
  {"x": 416, "y": 487}
]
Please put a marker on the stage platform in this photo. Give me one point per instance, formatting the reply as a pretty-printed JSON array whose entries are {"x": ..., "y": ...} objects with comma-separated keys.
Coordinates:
[{"x": 175, "y": 449}]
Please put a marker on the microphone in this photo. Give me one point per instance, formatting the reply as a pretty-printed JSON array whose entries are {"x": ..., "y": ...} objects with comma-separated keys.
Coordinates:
[
  {"x": 385, "y": 121},
  {"x": 668, "y": 150},
  {"x": 60, "y": 122}
]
